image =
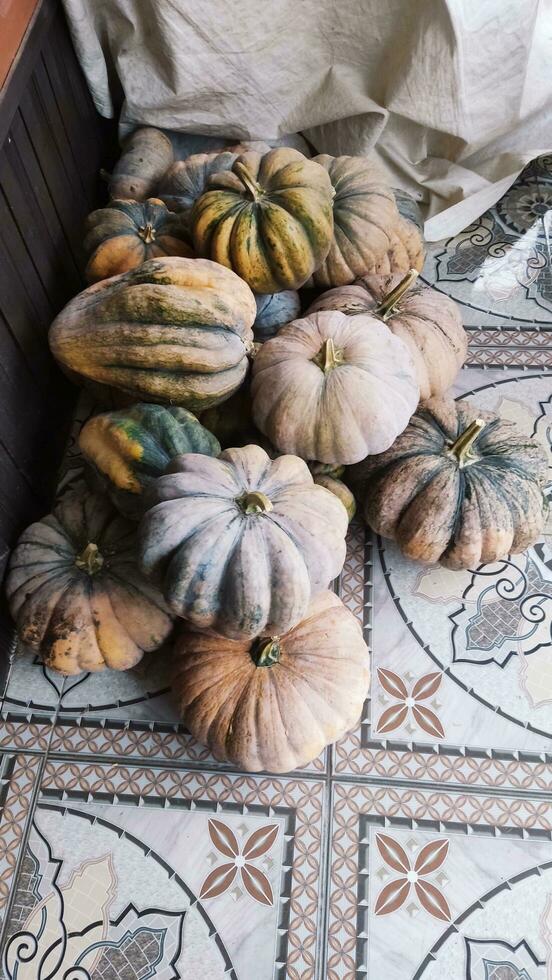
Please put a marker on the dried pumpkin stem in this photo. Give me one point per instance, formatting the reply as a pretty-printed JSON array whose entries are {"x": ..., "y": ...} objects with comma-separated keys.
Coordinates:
[
  {"x": 266, "y": 652},
  {"x": 328, "y": 357},
  {"x": 147, "y": 233},
  {"x": 386, "y": 307},
  {"x": 461, "y": 448},
  {"x": 247, "y": 180},
  {"x": 255, "y": 502},
  {"x": 90, "y": 560}
]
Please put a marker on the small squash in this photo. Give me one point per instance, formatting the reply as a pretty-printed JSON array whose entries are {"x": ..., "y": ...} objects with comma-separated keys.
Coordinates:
[
  {"x": 427, "y": 321},
  {"x": 186, "y": 180},
  {"x": 76, "y": 593},
  {"x": 459, "y": 487},
  {"x": 129, "y": 449},
  {"x": 269, "y": 219},
  {"x": 127, "y": 233},
  {"x": 273, "y": 311},
  {"x": 333, "y": 388},
  {"x": 241, "y": 542},
  {"x": 147, "y": 153},
  {"x": 275, "y": 702},
  {"x": 328, "y": 476},
  {"x": 174, "y": 330}
]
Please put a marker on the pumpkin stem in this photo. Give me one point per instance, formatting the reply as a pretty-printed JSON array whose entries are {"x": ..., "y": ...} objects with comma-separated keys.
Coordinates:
[
  {"x": 461, "y": 448},
  {"x": 388, "y": 303},
  {"x": 328, "y": 357},
  {"x": 90, "y": 560},
  {"x": 265, "y": 652},
  {"x": 255, "y": 502},
  {"x": 147, "y": 233},
  {"x": 247, "y": 180}
]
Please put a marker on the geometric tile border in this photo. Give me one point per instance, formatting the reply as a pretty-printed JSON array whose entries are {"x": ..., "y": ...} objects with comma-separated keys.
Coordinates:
[{"x": 18, "y": 778}]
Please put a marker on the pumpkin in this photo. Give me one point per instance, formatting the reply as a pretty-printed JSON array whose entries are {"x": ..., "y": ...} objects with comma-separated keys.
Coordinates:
[
  {"x": 459, "y": 487},
  {"x": 127, "y": 233},
  {"x": 428, "y": 322},
  {"x": 269, "y": 219},
  {"x": 147, "y": 153},
  {"x": 174, "y": 330},
  {"x": 333, "y": 388},
  {"x": 275, "y": 702},
  {"x": 273, "y": 311},
  {"x": 406, "y": 250},
  {"x": 365, "y": 220},
  {"x": 239, "y": 543},
  {"x": 129, "y": 449},
  {"x": 76, "y": 593},
  {"x": 186, "y": 180},
  {"x": 328, "y": 476}
]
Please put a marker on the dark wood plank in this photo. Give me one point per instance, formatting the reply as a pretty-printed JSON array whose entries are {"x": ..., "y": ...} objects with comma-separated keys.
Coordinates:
[{"x": 24, "y": 62}]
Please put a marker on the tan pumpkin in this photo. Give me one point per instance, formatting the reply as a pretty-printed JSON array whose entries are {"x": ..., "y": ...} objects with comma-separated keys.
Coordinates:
[
  {"x": 428, "y": 322},
  {"x": 333, "y": 388},
  {"x": 274, "y": 703},
  {"x": 147, "y": 153},
  {"x": 328, "y": 476},
  {"x": 406, "y": 251},
  {"x": 76, "y": 592},
  {"x": 127, "y": 233},
  {"x": 186, "y": 180},
  {"x": 459, "y": 486},
  {"x": 269, "y": 219},
  {"x": 174, "y": 330}
]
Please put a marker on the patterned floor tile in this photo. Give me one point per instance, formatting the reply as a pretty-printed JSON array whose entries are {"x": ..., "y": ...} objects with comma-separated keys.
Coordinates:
[
  {"x": 428, "y": 885},
  {"x": 137, "y": 873},
  {"x": 18, "y": 779}
]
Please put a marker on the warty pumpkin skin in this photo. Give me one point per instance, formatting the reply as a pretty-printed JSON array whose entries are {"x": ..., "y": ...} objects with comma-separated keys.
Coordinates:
[
  {"x": 241, "y": 542},
  {"x": 147, "y": 153},
  {"x": 427, "y": 321},
  {"x": 273, "y": 311},
  {"x": 459, "y": 487},
  {"x": 129, "y": 449},
  {"x": 174, "y": 330},
  {"x": 127, "y": 233},
  {"x": 269, "y": 219},
  {"x": 76, "y": 593},
  {"x": 274, "y": 703},
  {"x": 333, "y": 388}
]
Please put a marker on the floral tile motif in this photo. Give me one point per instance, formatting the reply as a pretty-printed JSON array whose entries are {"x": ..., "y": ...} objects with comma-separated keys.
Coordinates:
[
  {"x": 177, "y": 873},
  {"x": 434, "y": 884},
  {"x": 18, "y": 779}
]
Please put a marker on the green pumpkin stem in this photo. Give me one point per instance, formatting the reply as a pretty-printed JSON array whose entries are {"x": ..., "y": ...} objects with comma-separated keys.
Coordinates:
[
  {"x": 328, "y": 357},
  {"x": 388, "y": 303},
  {"x": 90, "y": 560},
  {"x": 461, "y": 448},
  {"x": 255, "y": 502},
  {"x": 147, "y": 233},
  {"x": 266, "y": 652},
  {"x": 249, "y": 182}
]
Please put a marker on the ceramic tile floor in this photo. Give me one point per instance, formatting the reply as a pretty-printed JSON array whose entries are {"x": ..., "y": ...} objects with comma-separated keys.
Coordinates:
[{"x": 420, "y": 846}]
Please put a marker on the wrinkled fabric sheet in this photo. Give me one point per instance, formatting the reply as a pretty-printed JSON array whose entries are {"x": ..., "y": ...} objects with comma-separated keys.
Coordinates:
[{"x": 453, "y": 96}]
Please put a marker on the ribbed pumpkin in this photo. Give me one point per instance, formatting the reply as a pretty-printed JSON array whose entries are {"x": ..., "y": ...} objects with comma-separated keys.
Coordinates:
[
  {"x": 406, "y": 252},
  {"x": 459, "y": 487},
  {"x": 269, "y": 219},
  {"x": 427, "y": 321},
  {"x": 275, "y": 702},
  {"x": 147, "y": 153},
  {"x": 328, "y": 476},
  {"x": 240, "y": 542},
  {"x": 333, "y": 388},
  {"x": 186, "y": 180},
  {"x": 127, "y": 233},
  {"x": 273, "y": 311},
  {"x": 76, "y": 592},
  {"x": 174, "y": 330},
  {"x": 128, "y": 450}
]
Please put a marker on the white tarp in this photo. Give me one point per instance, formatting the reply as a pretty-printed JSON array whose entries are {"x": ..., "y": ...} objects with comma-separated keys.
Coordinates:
[{"x": 455, "y": 95}]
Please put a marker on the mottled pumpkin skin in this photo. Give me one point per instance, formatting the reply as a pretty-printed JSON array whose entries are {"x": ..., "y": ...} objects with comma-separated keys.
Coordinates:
[
  {"x": 338, "y": 415},
  {"x": 273, "y": 311},
  {"x": 340, "y": 489},
  {"x": 427, "y": 321},
  {"x": 406, "y": 251},
  {"x": 174, "y": 330},
  {"x": 279, "y": 717},
  {"x": 147, "y": 153},
  {"x": 460, "y": 514},
  {"x": 125, "y": 234},
  {"x": 186, "y": 180},
  {"x": 128, "y": 450},
  {"x": 233, "y": 565},
  {"x": 101, "y": 613},
  {"x": 269, "y": 219}
]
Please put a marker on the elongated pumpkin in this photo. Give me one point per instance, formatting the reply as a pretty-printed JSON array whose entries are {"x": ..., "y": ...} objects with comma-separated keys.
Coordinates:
[
  {"x": 274, "y": 702},
  {"x": 241, "y": 542},
  {"x": 127, "y": 233},
  {"x": 76, "y": 593},
  {"x": 174, "y": 330},
  {"x": 427, "y": 321},
  {"x": 128, "y": 450},
  {"x": 147, "y": 153},
  {"x": 459, "y": 486},
  {"x": 269, "y": 219}
]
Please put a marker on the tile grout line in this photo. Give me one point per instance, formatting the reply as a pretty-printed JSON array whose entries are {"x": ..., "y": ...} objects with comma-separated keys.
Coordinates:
[{"x": 325, "y": 865}]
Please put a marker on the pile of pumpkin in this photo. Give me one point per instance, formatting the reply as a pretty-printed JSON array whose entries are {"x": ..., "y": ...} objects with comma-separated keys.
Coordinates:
[{"x": 196, "y": 310}]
